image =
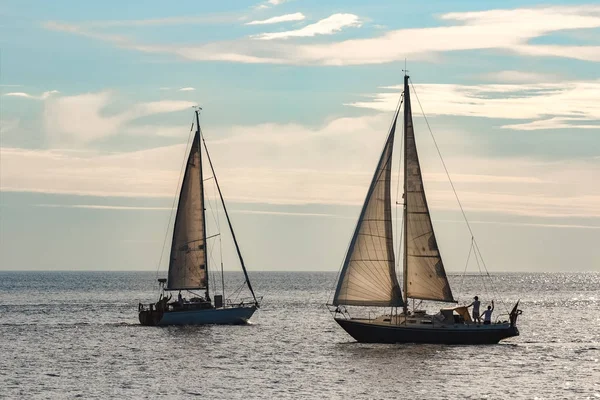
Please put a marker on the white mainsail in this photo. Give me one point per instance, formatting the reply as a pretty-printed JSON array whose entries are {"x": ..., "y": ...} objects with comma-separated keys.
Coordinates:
[
  {"x": 368, "y": 276},
  {"x": 424, "y": 270},
  {"x": 187, "y": 265}
]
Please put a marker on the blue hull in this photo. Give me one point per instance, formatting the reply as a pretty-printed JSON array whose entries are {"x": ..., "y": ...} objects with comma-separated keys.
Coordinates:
[{"x": 218, "y": 316}]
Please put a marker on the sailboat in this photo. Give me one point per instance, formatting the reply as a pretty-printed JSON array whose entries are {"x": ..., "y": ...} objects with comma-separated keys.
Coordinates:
[
  {"x": 188, "y": 262},
  {"x": 368, "y": 275}
]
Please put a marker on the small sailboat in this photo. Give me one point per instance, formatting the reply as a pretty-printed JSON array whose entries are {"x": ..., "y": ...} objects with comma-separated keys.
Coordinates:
[
  {"x": 188, "y": 262},
  {"x": 368, "y": 275}
]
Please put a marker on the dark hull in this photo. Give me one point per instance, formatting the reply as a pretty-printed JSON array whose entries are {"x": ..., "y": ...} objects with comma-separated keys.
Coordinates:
[{"x": 366, "y": 332}]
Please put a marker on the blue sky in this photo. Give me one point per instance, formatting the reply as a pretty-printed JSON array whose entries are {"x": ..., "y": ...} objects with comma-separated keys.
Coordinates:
[{"x": 96, "y": 104}]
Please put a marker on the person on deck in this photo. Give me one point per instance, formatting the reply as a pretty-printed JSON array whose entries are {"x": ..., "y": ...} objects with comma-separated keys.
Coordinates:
[
  {"x": 475, "y": 304},
  {"x": 180, "y": 299},
  {"x": 487, "y": 314}
]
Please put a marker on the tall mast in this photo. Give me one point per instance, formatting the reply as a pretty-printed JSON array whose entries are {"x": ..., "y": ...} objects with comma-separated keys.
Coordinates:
[
  {"x": 198, "y": 131},
  {"x": 405, "y": 217}
]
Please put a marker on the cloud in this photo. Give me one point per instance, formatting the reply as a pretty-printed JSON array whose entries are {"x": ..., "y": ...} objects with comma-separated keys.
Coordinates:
[
  {"x": 83, "y": 118},
  {"x": 571, "y": 104},
  {"x": 296, "y": 164},
  {"x": 518, "y": 77},
  {"x": 186, "y": 89},
  {"x": 269, "y": 4},
  {"x": 507, "y": 30},
  {"x": 24, "y": 95},
  {"x": 327, "y": 26},
  {"x": 554, "y": 123},
  {"x": 104, "y": 207},
  {"x": 214, "y": 18},
  {"x": 282, "y": 18}
]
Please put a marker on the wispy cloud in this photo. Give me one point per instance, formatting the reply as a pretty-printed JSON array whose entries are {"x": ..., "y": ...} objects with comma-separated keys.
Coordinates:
[
  {"x": 104, "y": 207},
  {"x": 82, "y": 118},
  {"x": 186, "y": 89},
  {"x": 296, "y": 164},
  {"x": 519, "y": 77},
  {"x": 553, "y": 105},
  {"x": 555, "y": 123},
  {"x": 535, "y": 225},
  {"x": 287, "y": 213},
  {"x": 282, "y": 18},
  {"x": 327, "y": 26},
  {"x": 506, "y": 30},
  {"x": 269, "y": 4},
  {"x": 214, "y": 18},
  {"x": 24, "y": 95}
]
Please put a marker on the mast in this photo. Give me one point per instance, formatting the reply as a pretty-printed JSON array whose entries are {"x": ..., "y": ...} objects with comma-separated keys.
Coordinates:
[
  {"x": 404, "y": 218},
  {"x": 424, "y": 274},
  {"x": 237, "y": 247},
  {"x": 202, "y": 196}
]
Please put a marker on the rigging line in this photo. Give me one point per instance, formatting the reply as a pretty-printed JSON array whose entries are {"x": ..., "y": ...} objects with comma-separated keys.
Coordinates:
[
  {"x": 179, "y": 182},
  {"x": 451, "y": 183},
  {"x": 211, "y": 275},
  {"x": 443, "y": 163},
  {"x": 237, "y": 248},
  {"x": 218, "y": 217},
  {"x": 494, "y": 293},
  {"x": 212, "y": 208},
  {"x": 481, "y": 273},
  {"x": 466, "y": 265}
]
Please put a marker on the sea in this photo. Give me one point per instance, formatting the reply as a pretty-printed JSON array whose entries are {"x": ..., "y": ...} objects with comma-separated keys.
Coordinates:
[{"x": 70, "y": 335}]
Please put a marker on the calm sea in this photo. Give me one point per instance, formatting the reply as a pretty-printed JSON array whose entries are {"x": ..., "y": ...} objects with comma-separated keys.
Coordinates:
[{"x": 76, "y": 335}]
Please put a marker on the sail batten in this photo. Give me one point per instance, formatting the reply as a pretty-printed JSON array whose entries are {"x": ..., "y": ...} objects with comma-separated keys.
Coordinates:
[
  {"x": 187, "y": 262},
  {"x": 368, "y": 276},
  {"x": 424, "y": 273}
]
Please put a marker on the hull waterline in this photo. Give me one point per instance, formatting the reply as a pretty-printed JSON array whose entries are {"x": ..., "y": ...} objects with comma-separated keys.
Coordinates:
[
  {"x": 219, "y": 316},
  {"x": 366, "y": 332}
]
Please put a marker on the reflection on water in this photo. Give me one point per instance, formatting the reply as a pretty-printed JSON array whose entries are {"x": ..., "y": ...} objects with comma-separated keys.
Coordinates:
[{"x": 76, "y": 334}]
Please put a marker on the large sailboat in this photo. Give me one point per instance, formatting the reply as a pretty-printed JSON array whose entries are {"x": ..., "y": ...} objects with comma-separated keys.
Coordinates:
[
  {"x": 368, "y": 275},
  {"x": 188, "y": 262}
]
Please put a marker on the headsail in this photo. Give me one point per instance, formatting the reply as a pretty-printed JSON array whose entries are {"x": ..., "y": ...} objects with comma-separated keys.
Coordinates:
[
  {"x": 368, "y": 276},
  {"x": 187, "y": 265},
  {"x": 424, "y": 270}
]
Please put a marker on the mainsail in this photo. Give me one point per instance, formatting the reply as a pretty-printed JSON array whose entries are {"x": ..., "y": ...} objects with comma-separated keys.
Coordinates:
[
  {"x": 368, "y": 276},
  {"x": 425, "y": 277},
  {"x": 187, "y": 265}
]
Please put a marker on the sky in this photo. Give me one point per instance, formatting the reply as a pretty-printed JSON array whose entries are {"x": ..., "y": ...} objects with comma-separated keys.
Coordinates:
[{"x": 96, "y": 106}]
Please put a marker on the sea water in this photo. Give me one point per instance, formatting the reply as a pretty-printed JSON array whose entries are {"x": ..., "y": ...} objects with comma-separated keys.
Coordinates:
[{"x": 76, "y": 335}]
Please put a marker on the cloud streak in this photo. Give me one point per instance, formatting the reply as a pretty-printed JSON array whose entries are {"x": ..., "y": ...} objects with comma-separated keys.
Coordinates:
[
  {"x": 82, "y": 118},
  {"x": 506, "y": 30},
  {"x": 327, "y": 26},
  {"x": 295, "y": 164},
  {"x": 24, "y": 95},
  {"x": 552, "y": 105},
  {"x": 279, "y": 19}
]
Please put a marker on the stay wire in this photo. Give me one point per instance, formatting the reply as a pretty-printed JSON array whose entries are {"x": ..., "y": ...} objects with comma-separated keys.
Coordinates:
[
  {"x": 462, "y": 281},
  {"x": 453, "y": 189}
]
